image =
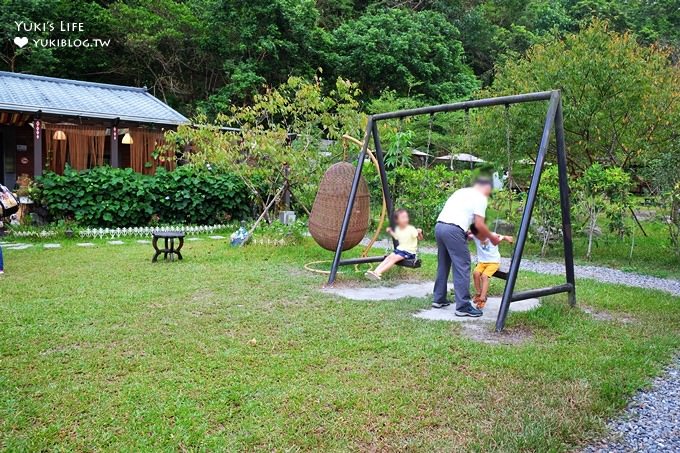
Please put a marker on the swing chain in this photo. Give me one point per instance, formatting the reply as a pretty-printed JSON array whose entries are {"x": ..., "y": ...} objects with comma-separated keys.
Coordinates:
[
  {"x": 468, "y": 137},
  {"x": 429, "y": 138},
  {"x": 508, "y": 147}
]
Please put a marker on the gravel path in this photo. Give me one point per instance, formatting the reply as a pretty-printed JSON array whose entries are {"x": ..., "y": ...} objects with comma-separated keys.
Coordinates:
[
  {"x": 651, "y": 422},
  {"x": 599, "y": 273},
  {"x": 606, "y": 275}
]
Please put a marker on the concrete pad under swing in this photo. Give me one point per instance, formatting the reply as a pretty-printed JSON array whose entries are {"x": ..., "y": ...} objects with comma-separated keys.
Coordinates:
[
  {"x": 490, "y": 311},
  {"x": 424, "y": 289}
]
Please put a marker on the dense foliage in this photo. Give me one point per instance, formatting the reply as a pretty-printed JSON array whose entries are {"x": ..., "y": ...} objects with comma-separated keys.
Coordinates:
[
  {"x": 111, "y": 197},
  {"x": 620, "y": 100},
  {"x": 602, "y": 191},
  {"x": 293, "y": 73},
  {"x": 207, "y": 54},
  {"x": 410, "y": 52},
  {"x": 421, "y": 191},
  {"x": 279, "y": 138}
]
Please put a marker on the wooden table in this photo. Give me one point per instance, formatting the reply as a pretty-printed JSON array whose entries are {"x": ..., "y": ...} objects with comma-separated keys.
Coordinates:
[{"x": 169, "y": 249}]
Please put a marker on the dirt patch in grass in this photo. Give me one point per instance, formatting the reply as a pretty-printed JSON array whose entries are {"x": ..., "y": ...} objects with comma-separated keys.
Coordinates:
[
  {"x": 354, "y": 283},
  {"x": 359, "y": 281},
  {"x": 486, "y": 333},
  {"x": 203, "y": 296},
  {"x": 602, "y": 315},
  {"x": 295, "y": 271}
]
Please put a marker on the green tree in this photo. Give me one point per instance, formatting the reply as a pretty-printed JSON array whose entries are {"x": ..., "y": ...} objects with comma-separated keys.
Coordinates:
[
  {"x": 547, "y": 217},
  {"x": 80, "y": 62},
  {"x": 652, "y": 21},
  {"x": 261, "y": 41},
  {"x": 13, "y": 58},
  {"x": 602, "y": 191},
  {"x": 406, "y": 51},
  {"x": 164, "y": 48},
  {"x": 663, "y": 172},
  {"x": 620, "y": 100},
  {"x": 283, "y": 127}
]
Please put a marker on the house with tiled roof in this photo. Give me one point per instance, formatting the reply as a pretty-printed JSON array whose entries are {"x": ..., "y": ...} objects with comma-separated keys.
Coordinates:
[{"x": 47, "y": 123}]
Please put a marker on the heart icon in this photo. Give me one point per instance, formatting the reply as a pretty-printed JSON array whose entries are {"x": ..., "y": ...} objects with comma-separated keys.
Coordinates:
[{"x": 21, "y": 42}]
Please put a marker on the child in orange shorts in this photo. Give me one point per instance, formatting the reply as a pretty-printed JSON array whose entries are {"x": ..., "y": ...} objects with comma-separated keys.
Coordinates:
[{"x": 488, "y": 262}]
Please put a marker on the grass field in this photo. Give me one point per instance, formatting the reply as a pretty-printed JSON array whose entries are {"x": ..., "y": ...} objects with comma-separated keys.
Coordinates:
[{"x": 237, "y": 349}]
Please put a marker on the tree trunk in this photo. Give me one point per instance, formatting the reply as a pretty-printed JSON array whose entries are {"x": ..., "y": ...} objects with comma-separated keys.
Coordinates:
[
  {"x": 546, "y": 238},
  {"x": 591, "y": 231}
]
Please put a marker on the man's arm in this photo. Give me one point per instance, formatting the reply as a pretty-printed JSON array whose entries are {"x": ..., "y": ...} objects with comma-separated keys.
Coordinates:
[{"x": 484, "y": 232}]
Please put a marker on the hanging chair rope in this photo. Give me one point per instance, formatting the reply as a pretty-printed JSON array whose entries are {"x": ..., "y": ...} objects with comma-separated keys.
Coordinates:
[
  {"x": 506, "y": 115},
  {"x": 508, "y": 149}
]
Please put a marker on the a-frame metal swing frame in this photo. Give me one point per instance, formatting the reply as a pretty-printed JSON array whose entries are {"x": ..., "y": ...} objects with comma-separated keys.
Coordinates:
[{"x": 553, "y": 120}]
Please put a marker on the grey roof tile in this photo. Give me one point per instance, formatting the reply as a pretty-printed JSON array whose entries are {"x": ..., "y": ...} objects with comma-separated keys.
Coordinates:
[{"x": 30, "y": 93}]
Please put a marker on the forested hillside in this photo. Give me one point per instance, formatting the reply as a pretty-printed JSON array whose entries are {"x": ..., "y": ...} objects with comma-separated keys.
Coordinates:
[{"x": 204, "y": 55}]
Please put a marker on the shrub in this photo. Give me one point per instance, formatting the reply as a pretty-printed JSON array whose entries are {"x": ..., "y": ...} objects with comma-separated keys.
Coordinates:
[
  {"x": 112, "y": 197},
  {"x": 280, "y": 132},
  {"x": 674, "y": 218},
  {"x": 422, "y": 191},
  {"x": 602, "y": 190},
  {"x": 196, "y": 196},
  {"x": 547, "y": 214}
]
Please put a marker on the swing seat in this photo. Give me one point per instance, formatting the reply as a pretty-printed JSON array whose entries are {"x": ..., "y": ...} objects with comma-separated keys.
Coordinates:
[
  {"x": 501, "y": 274},
  {"x": 413, "y": 263}
]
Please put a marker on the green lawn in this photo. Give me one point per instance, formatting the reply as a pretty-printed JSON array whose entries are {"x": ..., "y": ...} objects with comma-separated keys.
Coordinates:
[{"x": 236, "y": 349}]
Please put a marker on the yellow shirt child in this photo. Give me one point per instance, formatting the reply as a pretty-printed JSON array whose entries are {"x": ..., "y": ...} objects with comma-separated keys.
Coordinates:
[{"x": 407, "y": 237}]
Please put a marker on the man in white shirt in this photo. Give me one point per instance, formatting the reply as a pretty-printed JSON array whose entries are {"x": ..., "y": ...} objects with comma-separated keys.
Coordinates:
[{"x": 464, "y": 208}]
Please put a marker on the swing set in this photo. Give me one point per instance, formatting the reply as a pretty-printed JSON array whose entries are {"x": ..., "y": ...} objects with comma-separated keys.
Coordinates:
[{"x": 344, "y": 232}]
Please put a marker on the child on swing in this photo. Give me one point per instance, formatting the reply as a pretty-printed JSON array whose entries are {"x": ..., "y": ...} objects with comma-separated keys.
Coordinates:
[
  {"x": 488, "y": 262},
  {"x": 407, "y": 237}
]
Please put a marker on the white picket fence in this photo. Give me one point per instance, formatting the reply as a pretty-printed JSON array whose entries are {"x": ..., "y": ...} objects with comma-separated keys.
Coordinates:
[{"x": 124, "y": 232}]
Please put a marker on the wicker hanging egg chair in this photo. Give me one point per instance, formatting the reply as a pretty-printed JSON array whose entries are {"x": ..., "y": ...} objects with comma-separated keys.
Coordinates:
[{"x": 325, "y": 220}]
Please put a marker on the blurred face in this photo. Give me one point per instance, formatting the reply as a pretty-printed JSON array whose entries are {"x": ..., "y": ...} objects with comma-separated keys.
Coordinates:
[
  {"x": 402, "y": 219},
  {"x": 484, "y": 189}
]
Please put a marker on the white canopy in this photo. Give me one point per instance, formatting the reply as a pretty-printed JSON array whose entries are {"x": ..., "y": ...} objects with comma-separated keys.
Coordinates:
[
  {"x": 419, "y": 153},
  {"x": 461, "y": 157}
]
